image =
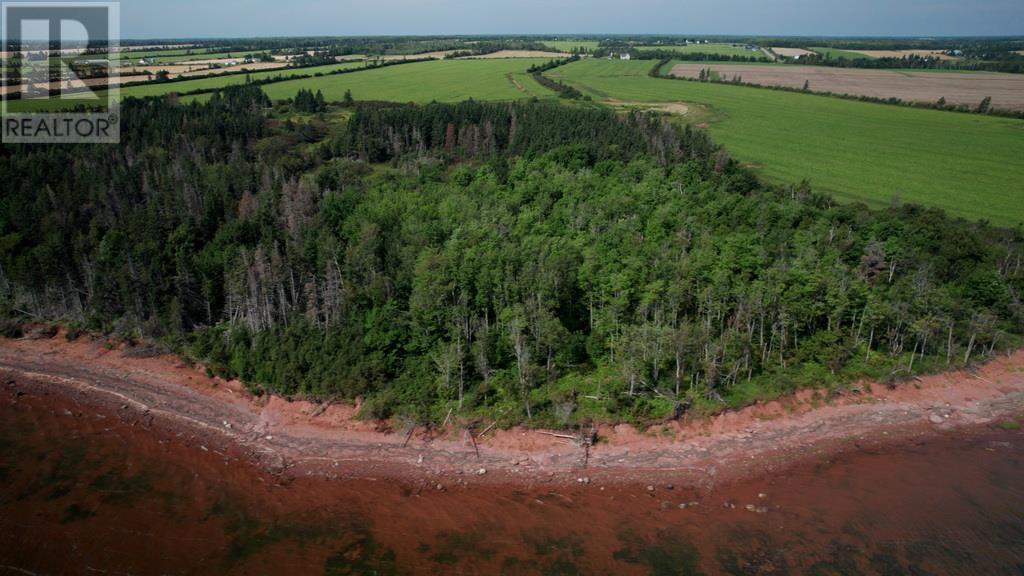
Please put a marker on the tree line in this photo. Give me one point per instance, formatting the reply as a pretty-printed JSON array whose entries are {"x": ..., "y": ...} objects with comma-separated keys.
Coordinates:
[
  {"x": 1010, "y": 63},
  {"x": 307, "y": 101},
  {"x": 563, "y": 90},
  {"x": 470, "y": 129},
  {"x": 525, "y": 262},
  {"x": 648, "y": 54},
  {"x": 165, "y": 78}
]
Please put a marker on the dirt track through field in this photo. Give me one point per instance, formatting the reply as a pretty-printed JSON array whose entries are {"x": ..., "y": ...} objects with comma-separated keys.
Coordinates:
[
  {"x": 791, "y": 52},
  {"x": 515, "y": 83},
  {"x": 678, "y": 108},
  {"x": 1006, "y": 90}
]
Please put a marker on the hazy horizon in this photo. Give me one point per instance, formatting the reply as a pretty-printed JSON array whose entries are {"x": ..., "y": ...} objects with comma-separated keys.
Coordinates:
[
  {"x": 148, "y": 19},
  {"x": 584, "y": 35}
]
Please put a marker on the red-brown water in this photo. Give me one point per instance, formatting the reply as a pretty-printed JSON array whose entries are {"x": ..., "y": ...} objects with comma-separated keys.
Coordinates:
[{"x": 88, "y": 493}]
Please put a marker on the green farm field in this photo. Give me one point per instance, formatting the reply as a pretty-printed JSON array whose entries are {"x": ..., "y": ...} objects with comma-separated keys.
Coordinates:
[
  {"x": 183, "y": 86},
  {"x": 719, "y": 49},
  {"x": 966, "y": 164},
  {"x": 440, "y": 80}
]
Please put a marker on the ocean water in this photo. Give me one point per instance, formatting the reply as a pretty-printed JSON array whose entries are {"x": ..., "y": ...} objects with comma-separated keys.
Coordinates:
[{"x": 89, "y": 493}]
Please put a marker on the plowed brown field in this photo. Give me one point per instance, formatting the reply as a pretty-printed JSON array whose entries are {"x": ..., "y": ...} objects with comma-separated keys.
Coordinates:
[{"x": 1006, "y": 90}]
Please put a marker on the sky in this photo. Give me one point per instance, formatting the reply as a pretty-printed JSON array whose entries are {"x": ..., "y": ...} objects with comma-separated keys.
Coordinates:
[{"x": 246, "y": 18}]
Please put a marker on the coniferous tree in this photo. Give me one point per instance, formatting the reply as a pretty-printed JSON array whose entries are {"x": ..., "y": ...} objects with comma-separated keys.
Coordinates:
[{"x": 498, "y": 258}]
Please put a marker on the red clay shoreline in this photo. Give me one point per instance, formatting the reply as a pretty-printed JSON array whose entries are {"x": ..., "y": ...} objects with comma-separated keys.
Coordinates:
[{"x": 300, "y": 439}]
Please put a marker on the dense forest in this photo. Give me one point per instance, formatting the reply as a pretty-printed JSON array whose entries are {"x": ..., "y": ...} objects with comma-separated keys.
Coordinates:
[{"x": 525, "y": 262}]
